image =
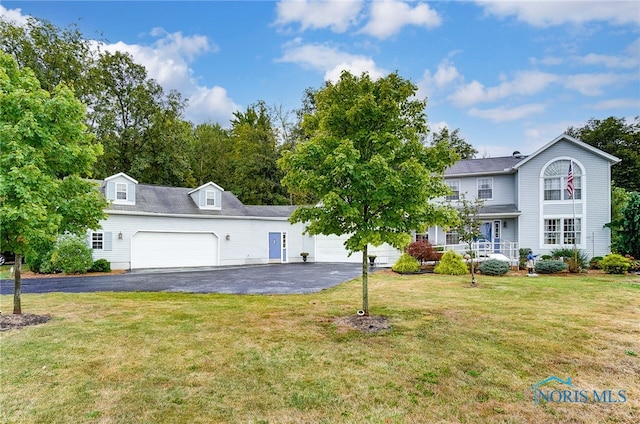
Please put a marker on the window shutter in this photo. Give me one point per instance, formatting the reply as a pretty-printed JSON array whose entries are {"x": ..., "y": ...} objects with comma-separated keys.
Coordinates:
[
  {"x": 218, "y": 199},
  {"x": 203, "y": 198},
  {"x": 111, "y": 190},
  {"x": 132, "y": 193},
  {"x": 106, "y": 241},
  {"x": 88, "y": 239}
]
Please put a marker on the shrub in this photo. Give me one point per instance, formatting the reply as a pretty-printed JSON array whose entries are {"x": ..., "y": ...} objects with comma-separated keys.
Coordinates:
[
  {"x": 39, "y": 261},
  {"x": 594, "y": 263},
  {"x": 494, "y": 267},
  {"x": 568, "y": 255},
  {"x": 406, "y": 264},
  {"x": 523, "y": 252},
  {"x": 451, "y": 264},
  {"x": 100, "y": 265},
  {"x": 546, "y": 257},
  {"x": 615, "y": 264},
  {"x": 634, "y": 264},
  {"x": 71, "y": 255},
  {"x": 422, "y": 250},
  {"x": 550, "y": 266}
]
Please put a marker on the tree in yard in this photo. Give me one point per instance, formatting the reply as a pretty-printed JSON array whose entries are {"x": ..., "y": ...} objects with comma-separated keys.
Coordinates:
[
  {"x": 45, "y": 151},
  {"x": 365, "y": 162},
  {"x": 630, "y": 236},
  {"x": 468, "y": 226}
]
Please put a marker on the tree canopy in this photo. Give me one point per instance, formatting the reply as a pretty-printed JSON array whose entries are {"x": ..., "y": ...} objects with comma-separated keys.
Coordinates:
[
  {"x": 456, "y": 141},
  {"x": 365, "y": 162},
  {"x": 615, "y": 136},
  {"x": 47, "y": 153}
]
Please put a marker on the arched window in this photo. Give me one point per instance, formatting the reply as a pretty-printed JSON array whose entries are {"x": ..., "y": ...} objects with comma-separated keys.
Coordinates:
[{"x": 555, "y": 181}]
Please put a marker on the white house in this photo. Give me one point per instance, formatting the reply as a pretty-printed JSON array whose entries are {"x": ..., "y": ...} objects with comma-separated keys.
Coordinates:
[
  {"x": 526, "y": 205},
  {"x": 526, "y": 202}
]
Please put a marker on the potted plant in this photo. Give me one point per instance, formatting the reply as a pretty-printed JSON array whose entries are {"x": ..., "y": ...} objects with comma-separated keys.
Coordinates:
[
  {"x": 372, "y": 259},
  {"x": 304, "y": 256}
]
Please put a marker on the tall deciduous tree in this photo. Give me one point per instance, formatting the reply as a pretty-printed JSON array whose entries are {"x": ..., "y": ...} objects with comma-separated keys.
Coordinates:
[
  {"x": 456, "y": 141},
  {"x": 211, "y": 155},
  {"x": 365, "y": 162},
  {"x": 255, "y": 174},
  {"x": 615, "y": 136},
  {"x": 45, "y": 151}
]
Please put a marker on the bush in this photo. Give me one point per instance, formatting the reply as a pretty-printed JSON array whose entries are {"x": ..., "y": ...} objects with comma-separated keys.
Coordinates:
[
  {"x": 594, "y": 263},
  {"x": 71, "y": 255},
  {"x": 494, "y": 267},
  {"x": 422, "y": 251},
  {"x": 568, "y": 254},
  {"x": 39, "y": 261},
  {"x": 550, "y": 266},
  {"x": 634, "y": 264},
  {"x": 406, "y": 264},
  {"x": 451, "y": 264},
  {"x": 546, "y": 257},
  {"x": 615, "y": 264},
  {"x": 101, "y": 265},
  {"x": 523, "y": 252}
]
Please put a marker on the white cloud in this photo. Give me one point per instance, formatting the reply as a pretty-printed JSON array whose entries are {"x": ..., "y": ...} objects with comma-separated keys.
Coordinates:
[
  {"x": 552, "y": 12},
  {"x": 445, "y": 75},
  {"x": 168, "y": 60},
  {"x": 505, "y": 114},
  {"x": 313, "y": 14},
  {"x": 525, "y": 83},
  {"x": 329, "y": 60},
  {"x": 629, "y": 103},
  {"x": 388, "y": 17},
  {"x": 13, "y": 15},
  {"x": 595, "y": 84}
]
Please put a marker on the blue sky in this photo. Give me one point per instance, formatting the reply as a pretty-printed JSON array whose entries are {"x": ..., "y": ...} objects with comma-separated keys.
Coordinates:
[{"x": 510, "y": 75}]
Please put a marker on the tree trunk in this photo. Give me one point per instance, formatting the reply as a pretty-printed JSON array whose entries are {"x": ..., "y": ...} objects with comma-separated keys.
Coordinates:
[
  {"x": 365, "y": 282},
  {"x": 17, "y": 307}
]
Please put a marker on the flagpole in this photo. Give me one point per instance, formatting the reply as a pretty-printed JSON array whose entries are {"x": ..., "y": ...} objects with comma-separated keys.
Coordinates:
[{"x": 575, "y": 224}]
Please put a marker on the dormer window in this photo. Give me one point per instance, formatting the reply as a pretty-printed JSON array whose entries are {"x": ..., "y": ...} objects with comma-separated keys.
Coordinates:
[
  {"x": 121, "y": 191},
  {"x": 210, "y": 198}
]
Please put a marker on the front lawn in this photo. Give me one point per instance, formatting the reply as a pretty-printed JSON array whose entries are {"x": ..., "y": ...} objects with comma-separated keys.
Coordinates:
[{"x": 454, "y": 354}]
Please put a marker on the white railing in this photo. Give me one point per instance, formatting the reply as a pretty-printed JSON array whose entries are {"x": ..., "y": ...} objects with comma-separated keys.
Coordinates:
[{"x": 484, "y": 249}]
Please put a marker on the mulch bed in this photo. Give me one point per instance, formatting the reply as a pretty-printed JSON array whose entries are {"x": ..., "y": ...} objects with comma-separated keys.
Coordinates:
[{"x": 17, "y": 321}]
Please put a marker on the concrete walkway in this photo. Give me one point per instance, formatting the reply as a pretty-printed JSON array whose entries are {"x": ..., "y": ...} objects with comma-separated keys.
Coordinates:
[{"x": 254, "y": 279}]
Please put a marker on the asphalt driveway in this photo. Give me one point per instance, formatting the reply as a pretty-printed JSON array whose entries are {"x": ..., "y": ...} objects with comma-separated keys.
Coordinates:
[{"x": 255, "y": 279}]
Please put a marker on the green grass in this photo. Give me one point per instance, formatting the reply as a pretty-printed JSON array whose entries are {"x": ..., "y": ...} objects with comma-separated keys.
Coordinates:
[{"x": 455, "y": 354}]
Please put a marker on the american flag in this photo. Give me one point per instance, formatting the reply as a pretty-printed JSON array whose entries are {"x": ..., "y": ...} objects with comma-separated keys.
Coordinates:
[{"x": 570, "y": 180}]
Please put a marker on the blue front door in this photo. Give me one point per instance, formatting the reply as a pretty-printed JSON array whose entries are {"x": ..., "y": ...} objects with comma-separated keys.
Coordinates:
[{"x": 275, "y": 247}]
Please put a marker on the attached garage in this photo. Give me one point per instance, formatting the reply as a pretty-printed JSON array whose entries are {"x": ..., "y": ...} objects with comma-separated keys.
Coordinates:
[
  {"x": 156, "y": 249},
  {"x": 331, "y": 249}
]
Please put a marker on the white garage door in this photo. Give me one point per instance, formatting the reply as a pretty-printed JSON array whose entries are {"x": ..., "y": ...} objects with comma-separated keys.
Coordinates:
[
  {"x": 331, "y": 249},
  {"x": 168, "y": 250}
]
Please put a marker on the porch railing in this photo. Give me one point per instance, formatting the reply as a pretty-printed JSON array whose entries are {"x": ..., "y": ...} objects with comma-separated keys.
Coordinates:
[{"x": 484, "y": 249}]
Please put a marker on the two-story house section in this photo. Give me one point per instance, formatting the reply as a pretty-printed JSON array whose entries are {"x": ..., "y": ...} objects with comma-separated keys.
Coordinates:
[{"x": 526, "y": 201}]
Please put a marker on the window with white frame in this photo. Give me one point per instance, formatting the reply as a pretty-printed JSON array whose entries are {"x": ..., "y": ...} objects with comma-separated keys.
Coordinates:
[
  {"x": 563, "y": 231},
  {"x": 485, "y": 188},
  {"x": 454, "y": 186},
  {"x": 210, "y": 197},
  {"x": 451, "y": 237},
  {"x": 97, "y": 241},
  {"x": 555, "y": 181},
  {"x": 121, "y": 191}
]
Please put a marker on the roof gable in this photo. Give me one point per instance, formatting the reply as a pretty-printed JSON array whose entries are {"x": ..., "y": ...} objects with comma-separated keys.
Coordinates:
[{"x": 578, "y": 143}]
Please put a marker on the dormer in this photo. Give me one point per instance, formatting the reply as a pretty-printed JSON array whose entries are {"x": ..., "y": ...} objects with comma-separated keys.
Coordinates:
[
  {"x": 120, "y": 189},
  {"x": 208, "y": 196}
]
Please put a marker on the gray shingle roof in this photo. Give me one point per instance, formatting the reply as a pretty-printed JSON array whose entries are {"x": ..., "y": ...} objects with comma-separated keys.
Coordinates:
[
  {"x": 499, "y": 210},
  {"x": 499, "y": 165},
  {"x": 177, "y": 201}
]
